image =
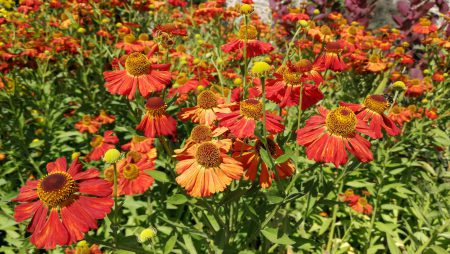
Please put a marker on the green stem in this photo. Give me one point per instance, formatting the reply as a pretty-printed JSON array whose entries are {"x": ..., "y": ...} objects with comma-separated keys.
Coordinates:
[
  {"x": 245, "y": 57},
  {"x": 393, "y": 102},
  {"x": 116, "y": 208},
  {"x": 335, "y": 210},
  {"x": 290, "y": 44},
  {"x": 263, "y": 86}
]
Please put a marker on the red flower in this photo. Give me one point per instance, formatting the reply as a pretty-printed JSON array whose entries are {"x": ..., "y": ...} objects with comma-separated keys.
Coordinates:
[
  {"x": 254, "y": 47},
  {"x": 242, "y": 121},
  {"x": 139, "y": 72},
  {"x": 102, "y": 144},
  {"x": 206, "y": 110},
  {"x": 330, "y": 59},
  {"x": 356, "y": 202},
  {"x": 130, "y": 44},
  {"x": 372, "y": 112},
  {"x": 250, "y": 158},
  {"x": 418, "y": 87},
  {"x": 64, "y": 205},
  {"x": 431, "y": 113},
  {"x": 156, "y": 122},
  {"x": 171, "y": 29},
  {"x": 83, "y": 248},
  {"x": 285, "y": 90},
  {"x": 133, "y": 178},
  {"x": 88, "y": 124},
  {"x": 329, "y": 135}
]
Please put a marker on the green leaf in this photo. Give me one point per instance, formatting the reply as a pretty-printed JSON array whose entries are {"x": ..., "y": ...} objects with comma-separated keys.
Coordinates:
[
  {"x": 438, "y": 250},
  {"x": 272, "y": 235},
  {"x": 158, "y": 175},
  {"x": 189, "y": 244},
  {"x": 265, "y": 157},
  {"x": 282, "y": 158},
  {"x": 387, "y": 228},
  {"x": 359, "y": 184},
  {"x": 391, "y": 245},
  {"x": 440, "y": 137},
  {"x": 170, "y": 244},
  {"x": 177, "y": 199}
]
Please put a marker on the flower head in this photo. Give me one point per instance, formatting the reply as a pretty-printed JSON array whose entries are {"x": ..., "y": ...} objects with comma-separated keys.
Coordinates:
[
  {"x": 64, "y": 204},
  {"x": 207, "y": 169},
  {"x": 329, "y": 135}
]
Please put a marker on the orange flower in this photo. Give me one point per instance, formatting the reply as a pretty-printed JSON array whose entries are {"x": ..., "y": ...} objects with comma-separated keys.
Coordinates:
[
  {"x": 400, "y": 115},
  {"x": 424, "y": 26},
  {"x": 375, "y": 64},
  {"x": 87, "y": 124},
  {"x": 250, "y": 158},
  {"x": 139, "y": 73},
  {"x": 156, "y": 122},
  {"x": 64, "y": 204},
  {"x": 206, "y": 110},
  {"x": 139, "y": 144},
  {"x": 104, "y": 118},
  {"x": 207, "y": 169}
]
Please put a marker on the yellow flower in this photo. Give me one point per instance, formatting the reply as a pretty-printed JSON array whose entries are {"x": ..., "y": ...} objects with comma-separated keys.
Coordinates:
[
  {"x": 147, "y": 234},
  {"x": 316, "y": 11},
  {"x": 75, "y": 155},
  {"x": 246, "y": 9},
  {"x": 303, "y": 23},
  {"x": 111, "y": 156},
  {"x": 261, "y": 68},
  {"x": 237, "y": 81},
  {"x": 399, "y": 85}
]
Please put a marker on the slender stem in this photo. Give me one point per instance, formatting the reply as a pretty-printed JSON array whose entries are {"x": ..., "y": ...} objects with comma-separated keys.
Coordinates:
[
  {"x": 393, "y": 102},
  {"x": 335, "y": 209},
  {"x": 245, "y": 57},
  {"x": 290, "y": 44},
  {"x": 116, "y": 208},
  {"x": 263, "y": 86}
]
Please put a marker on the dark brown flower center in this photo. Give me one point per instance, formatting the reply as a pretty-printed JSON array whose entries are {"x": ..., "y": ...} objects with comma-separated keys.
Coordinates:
[
  {"x": 56, "y": 188},
  {"x": 208, "y": 155},
  {"x": 155, "y": 106},
  {"x": 201, "y": 133},
  {"x": 207, "y": 99}
]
